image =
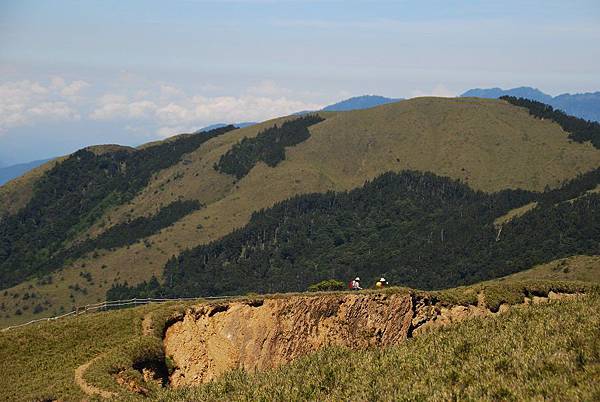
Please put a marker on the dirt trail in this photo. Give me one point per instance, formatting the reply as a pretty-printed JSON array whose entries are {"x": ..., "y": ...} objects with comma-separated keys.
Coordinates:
[
  {"x": 92, "y": 390},
  {"x": 87, "y": 388}
]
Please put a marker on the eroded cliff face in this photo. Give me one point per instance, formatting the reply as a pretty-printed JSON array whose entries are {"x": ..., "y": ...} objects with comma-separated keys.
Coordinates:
[{"x": 211, "y": 340}]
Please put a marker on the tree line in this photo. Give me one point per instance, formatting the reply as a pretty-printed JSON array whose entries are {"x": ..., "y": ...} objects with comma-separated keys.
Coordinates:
[{"x": 579, "y": 130}]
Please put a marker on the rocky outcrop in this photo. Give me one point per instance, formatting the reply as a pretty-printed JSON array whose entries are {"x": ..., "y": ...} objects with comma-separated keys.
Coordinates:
[
  {"x": 428, "y": 316},
  {"x": 212, "y": 339}
]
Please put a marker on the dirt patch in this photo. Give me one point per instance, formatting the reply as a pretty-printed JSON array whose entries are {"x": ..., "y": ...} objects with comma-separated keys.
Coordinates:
[
  {"x": 211, "y": 340},
  {"x": 428, "y": 316},
  {"x": 147, "y": 326}
]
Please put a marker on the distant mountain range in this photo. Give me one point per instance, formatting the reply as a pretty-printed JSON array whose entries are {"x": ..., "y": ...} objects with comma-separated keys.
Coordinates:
[
  {"x": 585, "y": 105},
  {"x": 359, "y": 102},
  {"x": 221, "y": 125},
  {"x": 10, "y": 172}
]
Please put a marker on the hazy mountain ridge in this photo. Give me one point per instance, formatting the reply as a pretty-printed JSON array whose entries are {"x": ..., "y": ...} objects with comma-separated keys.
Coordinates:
[
  {"x": 359, "y": 103},
  {"x": 8, "y": 173},
  {"x": 582, "y": 105},
  {"x": 221, "y": 125}
]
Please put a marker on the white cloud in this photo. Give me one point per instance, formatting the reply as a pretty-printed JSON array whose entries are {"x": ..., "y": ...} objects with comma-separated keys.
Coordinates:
[
  {"x": 162, "y": 108},
  {"x": 27, "y": 102},
  {"x": 74, "y": 88},
  {"x": 53, "y": 111},
  {"x": 57, "y": 83},
  {"x": 268, "y": 88},
  {"x": 172, "y": 110},
  {"x": 439, "y": 90},
  {"x": 169, "y": 91},
  {"x": 119, "y": 107},
  {"x": 199, "y": 111}
]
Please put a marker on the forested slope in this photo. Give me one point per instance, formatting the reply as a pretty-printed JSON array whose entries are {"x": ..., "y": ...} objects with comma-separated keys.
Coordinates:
[
  {"x": 416, "y": 229},
  {"x": 73, "y": 195}
]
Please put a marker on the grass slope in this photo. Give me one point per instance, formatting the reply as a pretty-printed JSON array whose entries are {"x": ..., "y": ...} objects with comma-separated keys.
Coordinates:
[
  {"x": 551, "y": 348},
  {"x": 489, "y": 144},
  {"x": 576, "y": 268},
  {"x": 16, "y": 193}
]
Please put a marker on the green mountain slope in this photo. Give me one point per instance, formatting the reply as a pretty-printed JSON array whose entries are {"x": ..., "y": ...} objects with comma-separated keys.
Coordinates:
[
  {"x": 73, "y": 195},
  {"x": 417, "y": 230},
  {"x": 490, "y": 145}
]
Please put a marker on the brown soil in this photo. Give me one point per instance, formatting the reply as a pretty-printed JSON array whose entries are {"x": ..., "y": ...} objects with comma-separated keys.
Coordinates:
[
  {"x": 212, "y": 339},
  {"x": 256, "y": 336}
]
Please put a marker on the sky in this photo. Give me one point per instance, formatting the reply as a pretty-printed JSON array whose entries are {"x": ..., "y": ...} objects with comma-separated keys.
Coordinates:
[{"x": 76, "y": 73}]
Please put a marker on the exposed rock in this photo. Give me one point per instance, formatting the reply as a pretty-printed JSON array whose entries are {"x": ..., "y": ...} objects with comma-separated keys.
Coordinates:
[
  {"x": 209, "y": 340},
  {"x": 257, "y": 336},
  {"x": 131, "y": 385},
  {"x": 430, "y": 317}
]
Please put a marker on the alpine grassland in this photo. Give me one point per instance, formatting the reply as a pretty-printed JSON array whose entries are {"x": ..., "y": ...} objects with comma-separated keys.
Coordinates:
[{"x": 536, "y": 351}]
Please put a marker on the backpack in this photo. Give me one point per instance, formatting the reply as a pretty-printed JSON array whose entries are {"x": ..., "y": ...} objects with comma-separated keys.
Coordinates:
[{"x": 351, "y": 285}]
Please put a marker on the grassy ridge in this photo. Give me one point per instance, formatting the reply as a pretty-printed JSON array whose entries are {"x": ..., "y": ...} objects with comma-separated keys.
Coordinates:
[
  {"x": 542, "y": 352},
  {"x": 575, "y": 268},
  {"x": 38, "y": 362}
]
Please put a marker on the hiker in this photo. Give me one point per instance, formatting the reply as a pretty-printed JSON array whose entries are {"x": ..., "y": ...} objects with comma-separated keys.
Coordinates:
[
  {"x": 355, "y": 284},
  {"x": 381, "y": 283}
]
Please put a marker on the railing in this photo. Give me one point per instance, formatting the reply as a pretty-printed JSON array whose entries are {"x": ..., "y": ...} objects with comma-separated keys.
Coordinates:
[{"x": 107, "y": 305}]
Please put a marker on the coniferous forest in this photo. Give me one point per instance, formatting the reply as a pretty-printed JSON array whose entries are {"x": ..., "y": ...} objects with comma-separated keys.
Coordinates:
[
  {"x": 73, "y": 195},
  {"x": 416, "y": 229},
  {"x": 579, "y": 130},
  {"x": 268, "y": 146}
]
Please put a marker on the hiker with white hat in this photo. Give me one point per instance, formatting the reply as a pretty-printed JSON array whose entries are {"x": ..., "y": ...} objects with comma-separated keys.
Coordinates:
[{"x": 355, "y": 284}]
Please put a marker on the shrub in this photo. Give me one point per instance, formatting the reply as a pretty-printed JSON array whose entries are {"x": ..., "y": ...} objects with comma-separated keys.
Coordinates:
[{"x": 328, "y": 285}]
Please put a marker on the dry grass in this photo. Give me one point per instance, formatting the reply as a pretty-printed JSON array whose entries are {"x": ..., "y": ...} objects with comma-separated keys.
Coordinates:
[
  {"x": 39, "y": 361},
  {"x": 576, "y": 268},
  {"x": 514, "y": 213},
  {"x": 15, "y": 194}
]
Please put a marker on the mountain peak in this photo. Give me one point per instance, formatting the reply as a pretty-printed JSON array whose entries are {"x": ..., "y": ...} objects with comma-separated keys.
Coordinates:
[{"x": 359, "y": 102}]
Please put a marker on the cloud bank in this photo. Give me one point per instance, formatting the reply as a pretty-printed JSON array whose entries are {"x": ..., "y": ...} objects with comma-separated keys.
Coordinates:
[
  {"x": 28, "y": 102},
  {"x": 165, "y": 108}
]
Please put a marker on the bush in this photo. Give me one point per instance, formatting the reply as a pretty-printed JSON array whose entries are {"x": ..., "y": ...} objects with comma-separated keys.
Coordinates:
[{"x": 328, "y": 285}]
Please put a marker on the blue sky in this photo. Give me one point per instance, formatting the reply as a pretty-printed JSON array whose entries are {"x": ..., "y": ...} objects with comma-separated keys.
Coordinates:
[{"x": 74, "y": 73}]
